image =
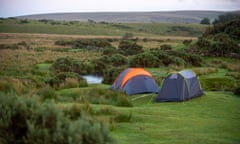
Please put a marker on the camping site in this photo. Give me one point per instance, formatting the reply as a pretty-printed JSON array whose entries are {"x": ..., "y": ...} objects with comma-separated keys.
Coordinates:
[{"x": 150, "y": 82}]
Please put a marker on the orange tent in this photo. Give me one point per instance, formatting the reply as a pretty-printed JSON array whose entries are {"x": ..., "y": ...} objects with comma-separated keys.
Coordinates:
[{"x": 135, "y": 80}]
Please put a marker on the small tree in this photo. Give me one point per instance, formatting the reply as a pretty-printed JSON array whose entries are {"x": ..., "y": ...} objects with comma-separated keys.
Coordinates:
[{"x": 205, "y": 21}]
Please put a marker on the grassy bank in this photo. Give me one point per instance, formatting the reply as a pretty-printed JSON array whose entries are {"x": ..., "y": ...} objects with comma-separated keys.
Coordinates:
[{"x": 212, "y": 118}]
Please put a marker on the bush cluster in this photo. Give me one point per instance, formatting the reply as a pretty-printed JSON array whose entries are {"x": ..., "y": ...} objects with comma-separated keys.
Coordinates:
[
  {"x": 66, "y": 80},
  {"x": 111, "y": 73},
  {"x": 85, "y": 43},
  {"x": 66, "y": 73},
  {"x": 220, "y": 40},
  {"x": 158, "y": 57},
  {"x": 128, "y": 47},
  {"x": 106, "y": 66},
  {"x": 24, "y": 120},
  {"x": 46, "y": 93},
  {"x": 20, "y": 45},
  {"x": 226, "y": 18},
  {"x": 146, "y": 59},
  {"x": 8, "y": 84},
  {"x": 128, "y": 54}
]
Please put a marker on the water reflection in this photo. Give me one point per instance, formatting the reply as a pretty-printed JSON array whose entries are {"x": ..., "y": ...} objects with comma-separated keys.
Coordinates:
[{"x": 93, "y": 79}]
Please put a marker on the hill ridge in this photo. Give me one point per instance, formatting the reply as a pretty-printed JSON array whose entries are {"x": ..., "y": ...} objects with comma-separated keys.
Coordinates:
[{"x": 130, "y": 17}]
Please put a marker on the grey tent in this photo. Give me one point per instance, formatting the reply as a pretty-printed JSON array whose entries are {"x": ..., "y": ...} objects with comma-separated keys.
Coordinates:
[{"x": 180, "y": 86}]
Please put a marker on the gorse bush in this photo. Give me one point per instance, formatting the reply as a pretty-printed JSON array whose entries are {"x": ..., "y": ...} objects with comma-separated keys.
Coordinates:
[
  {"x": 176, "y": 58},
  {"x": 66, "y": 80},
  {"x": 85, "y": 43},
  {"x": 47, "y": 93},
  {"x": 226, "y": 18},
  {"x": 165, "y": 47},
  {"x": 8, "y": 84},
  {"x": 71, "y": 83},
  {"x": 190, "y": 59},
  {"x": 111, "y": 73},
  {"x": 65, "y": 73},
  {"x": 127, "y": 47},
  {"x": 109, "y": 51},
  {"x": 220, "y": 40},
  {"x": 20, "y": 45},
  {"x": 145, "y": 59},
  {"x": 24, "y": 121},
  {"x": 118, "y": 60},
  {"x": 62, "y": 65}
]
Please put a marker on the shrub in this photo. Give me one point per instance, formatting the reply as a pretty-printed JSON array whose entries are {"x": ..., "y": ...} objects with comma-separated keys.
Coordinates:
[
  {"x": 101, "y": 64},
  {"x": 162, "y": 56},
  {"x": 9, "y": 46},
  {"x": 109, "y": 51},
  {"x": 24, "y": 120},
  {"x": 237, "y": 91},
  {"x": 82, "y": 82},
  {"x": 123, "y": 117},
  {"x": 74, "y": 112},
  {"x": 177, "y": 60},
  {"x": 13, "y": 119},
  {"x": 105, "y": 96},
  {"x": 8, "y": 84},
  {"x": 118, "y": 60},
  {"x": 83, "y": 67},
  {"x": 220, "y": 40},
  {"x": 90, "y": 43},
  {"x": 47, "y": 93},
  {"x": 67, "y": 80},
  {"x": 127, "y": 47},
  {"x": 122, "y": 100},
  {"x": 5, "y": 86},
  {"x": 187, "y": 42},
  {"x": 205, "y": 21},
  {"x": 62, "y": 65},
  {"x": 111, "y": 73},
  {"x": 145, "y": 59},
  {"x": 165, "y": 47},
  {"x": 226, "y": 18},
  {"x": 71, "y": 83},
  {"x": 63, "y": 42},
  {"x": 189, "y": 58}
]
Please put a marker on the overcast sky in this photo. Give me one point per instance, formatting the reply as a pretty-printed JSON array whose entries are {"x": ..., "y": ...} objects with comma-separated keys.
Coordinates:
[{"x": 9, "y": 8}]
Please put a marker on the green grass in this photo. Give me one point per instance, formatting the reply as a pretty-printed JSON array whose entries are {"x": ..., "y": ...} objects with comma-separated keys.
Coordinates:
[
  {"x": 43, "y": 66},
  {"x": 213, "y": 118},
  {"x": 209, "y": 119},
  {"x": 179, "y": 47},
  {"x": 163, "y": 72},
  {"x": 219, "y": 73},
  {"x": 108, "y": 29}
]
